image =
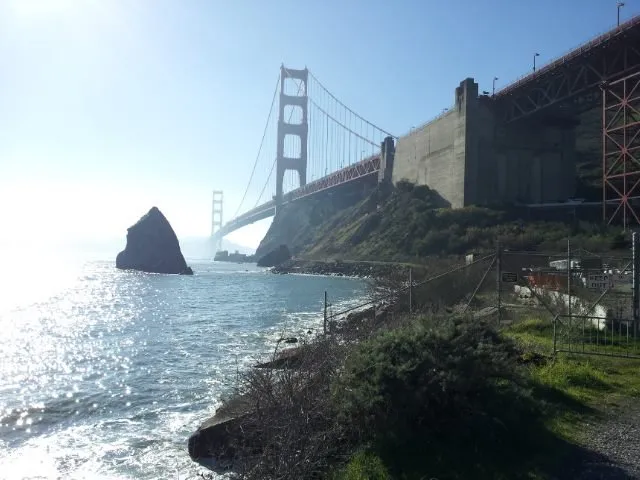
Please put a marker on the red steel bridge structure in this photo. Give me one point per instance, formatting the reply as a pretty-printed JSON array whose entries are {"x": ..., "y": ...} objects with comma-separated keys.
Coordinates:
[{"x": 317, "y": 134}]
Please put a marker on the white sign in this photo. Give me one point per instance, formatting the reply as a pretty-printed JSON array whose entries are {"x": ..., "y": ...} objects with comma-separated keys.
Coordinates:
[{"x": 602, "y": 281}]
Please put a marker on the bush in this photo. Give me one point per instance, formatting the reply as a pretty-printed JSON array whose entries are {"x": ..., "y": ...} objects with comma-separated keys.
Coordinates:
[
  {"x": 291, "y": 432},
  {"x": 364, "y": 466},
  {"x": 432, "y": 390}
]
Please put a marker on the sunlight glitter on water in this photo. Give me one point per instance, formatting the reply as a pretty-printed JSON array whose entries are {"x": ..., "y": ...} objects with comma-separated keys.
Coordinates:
[{"x": 107, "y": 375}]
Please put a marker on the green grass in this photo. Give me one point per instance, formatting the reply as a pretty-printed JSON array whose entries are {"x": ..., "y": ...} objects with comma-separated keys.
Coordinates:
[
  {"x": 363, "y": 466},
  {"x": 577, "y": 388}
]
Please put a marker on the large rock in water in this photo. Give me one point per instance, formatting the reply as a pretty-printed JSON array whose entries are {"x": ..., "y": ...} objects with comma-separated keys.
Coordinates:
[
  {"x": 275, "y": 257},
  {"x": 152, "y": 246}
]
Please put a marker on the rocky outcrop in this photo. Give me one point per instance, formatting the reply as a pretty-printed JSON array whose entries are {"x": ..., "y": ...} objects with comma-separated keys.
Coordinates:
[
  {"x": 299, "y": 225},
  {"x": 152, "y": 246},
  {"x": 275, "y": 257}
]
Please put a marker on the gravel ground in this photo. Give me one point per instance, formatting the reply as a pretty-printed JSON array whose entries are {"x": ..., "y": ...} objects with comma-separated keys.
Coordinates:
[{"x": 612, "y": 447}]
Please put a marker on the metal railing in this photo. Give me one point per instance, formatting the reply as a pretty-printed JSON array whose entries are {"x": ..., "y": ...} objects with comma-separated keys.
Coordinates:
[{"x": 569, "y": 55}]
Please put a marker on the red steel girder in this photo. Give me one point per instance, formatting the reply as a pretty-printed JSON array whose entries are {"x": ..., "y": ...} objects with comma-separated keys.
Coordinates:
[
  {"x": 621, "y": 150},
  {"x": 579, "y": 73},
  {"x": 363, "y": 168}
]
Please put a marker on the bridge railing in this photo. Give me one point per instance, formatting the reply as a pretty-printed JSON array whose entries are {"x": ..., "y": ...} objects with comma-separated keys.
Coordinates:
[
  {"x": 569, "y": 55},
  {"x": 363, "y": 168},
  {"x": 368, "y": 166}
]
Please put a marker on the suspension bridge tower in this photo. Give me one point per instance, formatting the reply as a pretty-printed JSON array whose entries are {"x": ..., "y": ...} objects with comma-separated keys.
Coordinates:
[
  {"x": 301, "y": 130},
  {"x": 216, "y": 220}
]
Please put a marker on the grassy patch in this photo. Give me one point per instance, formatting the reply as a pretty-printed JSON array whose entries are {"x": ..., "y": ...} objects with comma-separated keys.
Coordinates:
[
  {"x": 576, "y": 388},
  {"x": 363, "y": 466}
]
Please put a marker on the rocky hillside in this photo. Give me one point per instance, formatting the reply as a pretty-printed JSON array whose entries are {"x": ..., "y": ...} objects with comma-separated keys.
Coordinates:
[
  {"x": 405, "y": 224},
  {"x": 297, "y": 226}
]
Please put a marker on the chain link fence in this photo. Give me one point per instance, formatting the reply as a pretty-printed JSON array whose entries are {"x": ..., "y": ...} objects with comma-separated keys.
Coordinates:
[{"x": 587, "y": 299}]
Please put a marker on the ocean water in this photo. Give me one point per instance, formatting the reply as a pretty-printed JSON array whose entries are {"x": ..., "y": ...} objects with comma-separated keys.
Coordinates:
[{"x": 104, "y": 373}]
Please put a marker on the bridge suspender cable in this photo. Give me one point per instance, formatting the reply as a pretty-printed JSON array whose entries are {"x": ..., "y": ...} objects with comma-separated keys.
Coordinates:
[
  {"x": 343, "y": 125},
  {"x": 264, "y": 134},
  {"x": 347, "y": 108}
]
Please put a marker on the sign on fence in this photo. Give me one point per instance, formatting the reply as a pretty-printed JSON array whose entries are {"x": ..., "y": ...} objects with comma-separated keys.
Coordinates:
[
  {"x": 509, "y": 277},
  {"x": 602, "y": 281}
]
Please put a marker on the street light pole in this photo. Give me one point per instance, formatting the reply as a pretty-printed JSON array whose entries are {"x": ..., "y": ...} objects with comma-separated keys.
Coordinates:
[
  {"x": 620, "y": 5},
  {"x": 494, "y": 86},
  {"x": 534, "y": 60},
  {"x": 415, "y": 147}
]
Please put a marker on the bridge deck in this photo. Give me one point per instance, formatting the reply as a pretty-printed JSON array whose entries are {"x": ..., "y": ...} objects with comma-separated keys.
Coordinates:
[
  {"x": 364, "y": 168},
  {"x": 574, "y": 54}
]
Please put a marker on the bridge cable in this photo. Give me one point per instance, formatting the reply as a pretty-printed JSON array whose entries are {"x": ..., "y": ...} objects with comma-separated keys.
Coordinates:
[
  {"x": 264, "y": 133},
  {"x": 328, "y": 116},
  {"x": 347, "y": 108}
]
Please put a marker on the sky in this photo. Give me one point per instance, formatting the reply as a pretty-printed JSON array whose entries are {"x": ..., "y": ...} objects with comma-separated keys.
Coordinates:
[{"x": 109, "y": 107}]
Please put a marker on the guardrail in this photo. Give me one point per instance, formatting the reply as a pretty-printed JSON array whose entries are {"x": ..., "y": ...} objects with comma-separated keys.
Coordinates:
[{"x": 570, "y": 55}]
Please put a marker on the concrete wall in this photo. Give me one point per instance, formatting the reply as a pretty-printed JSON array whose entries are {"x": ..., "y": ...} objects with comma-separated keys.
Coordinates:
[
  {"x": 434, "y": 154},
  {"x": 470, "y": 158}
]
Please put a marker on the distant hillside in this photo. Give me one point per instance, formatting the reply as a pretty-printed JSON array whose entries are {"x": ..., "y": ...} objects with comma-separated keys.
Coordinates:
[{"x": 405, "y": 224}]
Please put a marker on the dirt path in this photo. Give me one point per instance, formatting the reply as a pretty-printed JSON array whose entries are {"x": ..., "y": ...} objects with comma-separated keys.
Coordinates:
[{"x": 611, "y": 448}]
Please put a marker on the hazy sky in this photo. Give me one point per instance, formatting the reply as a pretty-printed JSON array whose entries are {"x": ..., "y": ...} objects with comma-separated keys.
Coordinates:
[{"x": 108, "y": 107}]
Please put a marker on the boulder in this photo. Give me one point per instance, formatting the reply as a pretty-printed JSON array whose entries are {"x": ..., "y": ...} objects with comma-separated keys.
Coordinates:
[
  {"x": 275, "y": 257},
  {"x": 152, "y": 246},
  {"x": 213, "y": 445}
]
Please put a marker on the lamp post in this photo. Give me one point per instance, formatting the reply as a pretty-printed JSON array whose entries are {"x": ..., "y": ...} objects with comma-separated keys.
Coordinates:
[
  {"x": 534, "y": 60},
  {"x": 494, "y": 86},
  {"x": 415, "y": 147},
  {"x": 620, "y": 5}
]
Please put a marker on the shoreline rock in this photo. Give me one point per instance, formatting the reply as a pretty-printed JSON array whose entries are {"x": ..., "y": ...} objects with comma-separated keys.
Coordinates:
[
  {"x": 275, "y": 257},
  {"x": 153, "y": 247},
  {"x": 338, "y": 268}
]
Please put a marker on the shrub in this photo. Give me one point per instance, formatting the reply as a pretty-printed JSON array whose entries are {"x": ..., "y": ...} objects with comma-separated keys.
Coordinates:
[
  {"x": 426, "y": 391},
  {"x": 364, "y": 466},
  {"x": 291, "y": 432}
]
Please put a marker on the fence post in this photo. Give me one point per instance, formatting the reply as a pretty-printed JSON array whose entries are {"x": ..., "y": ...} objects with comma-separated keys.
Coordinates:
[
  {"x": 325, "y": 313},
  {"x": 569, "y": 289},
  {"x": 499, "y": 280},
  {"x": 410, "y": 290},
  {"x": 555, "y": 336},
  {"x": 636, "y": 284}
]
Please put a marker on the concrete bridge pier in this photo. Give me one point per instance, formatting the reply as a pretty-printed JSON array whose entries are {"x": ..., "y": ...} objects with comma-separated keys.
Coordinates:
[
  {"x": 387, "y": 154},
  {"x": 470, "y": 156}
]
